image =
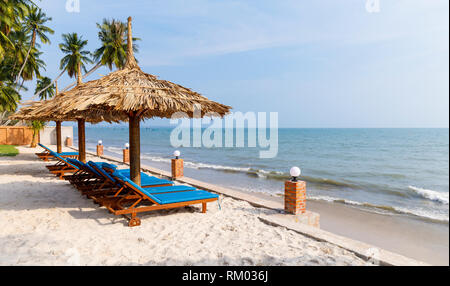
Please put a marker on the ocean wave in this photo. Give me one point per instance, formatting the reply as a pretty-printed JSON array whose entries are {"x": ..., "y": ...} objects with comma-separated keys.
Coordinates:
[
  {"x": 115, "y": 150},
  {"x": 385, "y": 209},
  {"x": 431, "y": 195},
  {"x": 258, "y": 173}
]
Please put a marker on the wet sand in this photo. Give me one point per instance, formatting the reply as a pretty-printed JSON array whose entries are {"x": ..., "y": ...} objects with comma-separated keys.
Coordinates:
[{"x": 411, "y": 237}]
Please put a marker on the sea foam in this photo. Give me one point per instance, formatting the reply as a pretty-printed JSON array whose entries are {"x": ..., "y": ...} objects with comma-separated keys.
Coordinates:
[{"x": 431, "y": 195}]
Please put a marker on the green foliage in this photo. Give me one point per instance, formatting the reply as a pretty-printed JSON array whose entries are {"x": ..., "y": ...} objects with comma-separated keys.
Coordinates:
[
  {"x": 21, "y": 22},
  {"x": 8, "y": 97},
  {"x": 113, "y": 36},
  {"x": 76, "y": 55},
  {"x": 35, "y": 25},
  {"x": 36, "y": 125},
  {"x": 41, "y": 85}
]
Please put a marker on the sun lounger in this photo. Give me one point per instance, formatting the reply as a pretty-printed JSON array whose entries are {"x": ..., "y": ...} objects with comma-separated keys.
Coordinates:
[
  {"x": 46, "y": 155},
  {"x": 146, "y": 181},
  {"x": 62, "y": 167},
  {"x": 101, "y": 195},
  {"x": 87, "y": 179},
  {"x": 136, "y": 199}
]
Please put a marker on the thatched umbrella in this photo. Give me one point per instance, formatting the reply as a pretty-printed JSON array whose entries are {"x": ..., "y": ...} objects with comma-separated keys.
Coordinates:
[
  {"x": 136, "y": 95},
  {"x": 49, "y": 110}
]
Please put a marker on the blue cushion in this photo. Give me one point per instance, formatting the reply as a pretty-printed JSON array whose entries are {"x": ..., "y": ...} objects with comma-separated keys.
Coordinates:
[
  {"x": 170, "y": 189},
  {"x": 63, "y": 159},
  {"x": 83, "y": 165},
  {"x": 102, "y": 172},
  {"x": 169, "y": 198},
  {"x": 68, "y": 154},
  {"x": 146, "y": 180},
  {"x": 109, "y": 166}
]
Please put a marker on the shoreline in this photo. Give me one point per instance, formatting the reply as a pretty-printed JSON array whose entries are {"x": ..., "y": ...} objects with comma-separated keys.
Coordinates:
[
  {"x": 47, "y": 222},
  {"x": 404, "y": 234},
  {"x": 413, "y": 237},
  {"x": 384, "y": 231}
]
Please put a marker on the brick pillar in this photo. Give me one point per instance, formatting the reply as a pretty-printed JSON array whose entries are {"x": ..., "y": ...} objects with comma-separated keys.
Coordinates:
[
  {"x": 126, "y": 155},
  {"x": 69, "y": 141},
  {"x": 295, "y": 197},
  {"x": 177, "y": 168},
  {"x": 99, "y": 150}
]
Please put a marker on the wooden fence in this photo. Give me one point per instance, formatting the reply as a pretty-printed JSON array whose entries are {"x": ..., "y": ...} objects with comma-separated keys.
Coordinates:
[{"x": 10, "y": 135}]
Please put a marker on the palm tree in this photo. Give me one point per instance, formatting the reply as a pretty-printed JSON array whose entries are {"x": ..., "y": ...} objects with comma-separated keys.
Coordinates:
[
  {"x": 113, "y": 51},
  {"x": 113, "y": 35},
  {"x": 33, "y": 67},
  {"x": 41, "y": 86},
  {"x": 11, "y": 12},
  {"x": 76, "y": 57},
  {"x": 35, "y": 23},
  {"x": 18, "y": 52},
  {"x": 36, "y": 126},
  {"x": 8, "y": 97}
]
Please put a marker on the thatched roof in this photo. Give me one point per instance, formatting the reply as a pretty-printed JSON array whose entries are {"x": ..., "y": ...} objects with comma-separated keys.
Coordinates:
[
  {"x": 48, "y": 110},
  {"x": 131, "y": 90}
]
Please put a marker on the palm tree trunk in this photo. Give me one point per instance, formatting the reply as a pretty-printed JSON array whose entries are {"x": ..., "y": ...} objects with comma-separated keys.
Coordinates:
[
  {"x": 96, "y": 67},
  {"x": 34, "y": 140},
  {"x": 33, "y": 42}
]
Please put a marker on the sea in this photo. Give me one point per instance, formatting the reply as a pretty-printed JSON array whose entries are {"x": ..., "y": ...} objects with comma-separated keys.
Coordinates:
[{"x": 388, "y": 171}]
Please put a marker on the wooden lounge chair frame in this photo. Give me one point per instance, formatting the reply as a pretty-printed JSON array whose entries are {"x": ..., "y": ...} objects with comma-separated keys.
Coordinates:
[
  {"x": 131, "y": 202},
  {"x": 86, "y": 181},
  {"x": 47, "y": 155},
  {"x": 62, "y": 167},
  {"x": 109, "y": 191}
]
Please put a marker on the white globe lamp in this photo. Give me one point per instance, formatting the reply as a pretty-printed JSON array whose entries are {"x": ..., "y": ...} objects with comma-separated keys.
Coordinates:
[{"x": 295, "y": 173}]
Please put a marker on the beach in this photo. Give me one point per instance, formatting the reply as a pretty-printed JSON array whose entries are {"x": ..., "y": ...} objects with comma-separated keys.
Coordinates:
[
  {"x": 358, "y": 180},
  {"x": 45, "y": 221}
]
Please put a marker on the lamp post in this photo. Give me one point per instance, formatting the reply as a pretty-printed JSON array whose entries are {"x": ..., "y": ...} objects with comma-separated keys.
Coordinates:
[
  {"x": 295, "y": 193},
  {"x": 295, "y": 173},
  {"x": 69, "y": 141},
  {"x": 100, "y": 148},
  {"x": 177, "y": 166},
  {"x": 126, "y": 153}
]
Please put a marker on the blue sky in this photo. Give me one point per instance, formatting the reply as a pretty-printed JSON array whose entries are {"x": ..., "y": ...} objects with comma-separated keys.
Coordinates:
[{"x": 322, "y": 63}]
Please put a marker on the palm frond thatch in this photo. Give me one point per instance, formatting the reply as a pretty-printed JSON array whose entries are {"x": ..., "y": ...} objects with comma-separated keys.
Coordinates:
[
  {"x": 130, "y": 89},
  {"x": 48, "y": 110}
]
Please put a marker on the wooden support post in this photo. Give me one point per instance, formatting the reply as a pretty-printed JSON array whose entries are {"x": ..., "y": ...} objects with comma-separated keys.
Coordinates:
[
  {"x": 135, "y": 148},
  {"x": 58, "y": 137},
  {"x": 82, "y": 140},
  {"x": 203, "y": 207}
]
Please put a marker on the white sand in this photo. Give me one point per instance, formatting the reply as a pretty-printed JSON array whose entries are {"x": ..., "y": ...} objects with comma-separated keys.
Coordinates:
[{"x": 45, "y": 221}]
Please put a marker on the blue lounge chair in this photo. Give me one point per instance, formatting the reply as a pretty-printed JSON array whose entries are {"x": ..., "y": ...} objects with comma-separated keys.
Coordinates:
[
  {"x": 46, "y": 155},
  {"x": 137, "y": 199},
  {"x": 86, "y": 179},
  {"x": 146, "y": 181},
  {"x": 62, "y": 167}
]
